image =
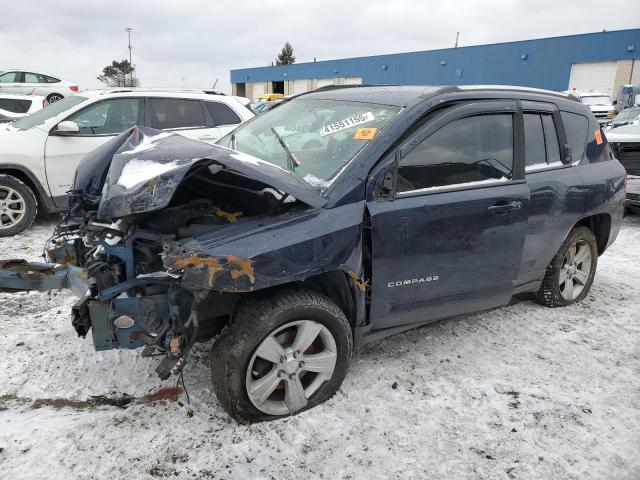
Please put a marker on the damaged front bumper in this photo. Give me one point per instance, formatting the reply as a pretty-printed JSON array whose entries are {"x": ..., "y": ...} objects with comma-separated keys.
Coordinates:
[{"x": 115, "y": 321}]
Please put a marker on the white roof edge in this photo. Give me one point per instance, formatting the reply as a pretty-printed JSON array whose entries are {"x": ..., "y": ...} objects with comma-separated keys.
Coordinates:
[{"x": 511, "y": 87}]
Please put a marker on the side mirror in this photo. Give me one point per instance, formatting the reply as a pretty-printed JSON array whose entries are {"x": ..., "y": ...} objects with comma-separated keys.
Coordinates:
[
  {"x": 568, "y": 153},
  {"x": 67, "y": 127},
  {"x": 615, "y": 102}
]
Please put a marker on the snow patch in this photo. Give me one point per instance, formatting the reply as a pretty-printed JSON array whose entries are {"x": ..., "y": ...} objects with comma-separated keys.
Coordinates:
[
  {"x": 137, "y": 171},
  {"x": 315, "y": 181},
  {"x": 542, "y": 166},
  {"x": 148, "y": 143}
]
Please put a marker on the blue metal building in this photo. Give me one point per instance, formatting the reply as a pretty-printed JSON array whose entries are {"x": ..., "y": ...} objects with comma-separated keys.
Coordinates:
[{"x": 600, "y": 61}]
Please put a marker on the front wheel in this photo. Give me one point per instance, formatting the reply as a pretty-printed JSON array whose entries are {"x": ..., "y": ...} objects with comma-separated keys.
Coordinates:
[
  {"x": 282, "y": 354},
  {"x": 570, "y": 274},
  {"x": 18, "y": 206}
]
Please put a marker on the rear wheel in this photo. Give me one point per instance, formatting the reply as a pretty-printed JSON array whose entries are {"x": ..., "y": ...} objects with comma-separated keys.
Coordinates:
[
  {"x": 18, "y": 206},
  {"x": 570, "y": 274},
  {"x": 282, "y": 354},
  {"x": 54, "y": 97}
]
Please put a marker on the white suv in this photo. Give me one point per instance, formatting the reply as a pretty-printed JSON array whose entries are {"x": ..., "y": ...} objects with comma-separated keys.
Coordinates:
[
  {"x": 39, "y": 153},
  {"x": 33, "y": 83}
]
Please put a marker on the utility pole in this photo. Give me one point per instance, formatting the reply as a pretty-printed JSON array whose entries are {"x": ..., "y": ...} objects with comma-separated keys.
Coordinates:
[
  {"x": 457, "y": 37},
  {"x": 129, "y": 30}
]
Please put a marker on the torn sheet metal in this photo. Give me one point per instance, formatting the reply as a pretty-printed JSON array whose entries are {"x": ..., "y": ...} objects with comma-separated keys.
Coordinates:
[
  {"x": 271, "y": 252},
  {"x": 20, "y": 275}
]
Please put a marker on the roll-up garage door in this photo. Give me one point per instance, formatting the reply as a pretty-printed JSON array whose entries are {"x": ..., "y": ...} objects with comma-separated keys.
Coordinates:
[{"x": 594, "y": 76}]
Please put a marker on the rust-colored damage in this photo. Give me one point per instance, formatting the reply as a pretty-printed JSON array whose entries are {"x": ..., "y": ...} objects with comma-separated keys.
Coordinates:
[
  {"x": 244, "y": 267},
  {"x": 237, "y": 267},
  {"x": 360, "y": 282},
  {"x": 212, "y": 265}
]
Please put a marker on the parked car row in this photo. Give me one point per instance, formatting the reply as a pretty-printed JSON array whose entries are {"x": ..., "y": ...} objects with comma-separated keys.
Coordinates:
[{"x": 39, "y": 153}]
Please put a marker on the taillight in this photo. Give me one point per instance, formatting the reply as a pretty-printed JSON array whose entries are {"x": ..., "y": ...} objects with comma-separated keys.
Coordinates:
[
  {"x": 73, "y": 88},
  {"x": 45, "y": 103}
]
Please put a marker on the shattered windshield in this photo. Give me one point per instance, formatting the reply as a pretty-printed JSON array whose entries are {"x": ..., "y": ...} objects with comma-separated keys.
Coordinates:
[{"x": 314, "y": 138}]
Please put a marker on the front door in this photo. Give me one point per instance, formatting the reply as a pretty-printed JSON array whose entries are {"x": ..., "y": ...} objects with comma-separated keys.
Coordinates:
[
  {"x": 450, "y": 241},
  {"x": 97, "y": 123},
  {"x": 10, "y": 82}
]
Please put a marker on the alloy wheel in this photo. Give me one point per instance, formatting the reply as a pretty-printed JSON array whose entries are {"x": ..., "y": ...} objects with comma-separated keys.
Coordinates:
[
  {"x": 289, "y": 366},
  {"x": 12, "y": 207},
  {"x": 575, "y": 270}
]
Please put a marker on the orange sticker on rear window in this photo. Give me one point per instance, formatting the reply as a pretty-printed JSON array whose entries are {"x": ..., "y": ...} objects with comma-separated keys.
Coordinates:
[
  {"x": 598, "y": 134},
  {"x": 365, "y": 133}
]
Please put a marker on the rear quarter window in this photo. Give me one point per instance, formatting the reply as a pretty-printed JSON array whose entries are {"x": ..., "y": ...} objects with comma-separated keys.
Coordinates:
[{"x": 576, "y": 128}]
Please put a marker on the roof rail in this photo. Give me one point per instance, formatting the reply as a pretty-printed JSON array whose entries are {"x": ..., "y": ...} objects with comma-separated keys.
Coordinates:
[{"x": 161, "y": 89}]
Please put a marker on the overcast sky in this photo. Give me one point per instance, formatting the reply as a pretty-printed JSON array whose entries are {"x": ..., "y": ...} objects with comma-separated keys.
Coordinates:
[{"x": 191, "y": 43}]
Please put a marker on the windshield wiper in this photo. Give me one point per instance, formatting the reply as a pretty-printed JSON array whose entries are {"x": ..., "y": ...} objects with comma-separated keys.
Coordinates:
[{"x": 292, "y": 161}]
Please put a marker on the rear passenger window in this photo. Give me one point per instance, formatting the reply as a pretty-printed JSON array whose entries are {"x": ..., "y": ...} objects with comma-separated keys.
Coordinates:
[
  {"x": 33, "y": 78},
  {"x": 540, "y": 140},
  {"x": 468, "y": 150},
  {"x": 534, "y": 140},
  {"x": 221, "y": 114},
  {"x": 576, "y": 127},
  {"x": 168, "y": 113},
  {"x": 551, "y": 140}
]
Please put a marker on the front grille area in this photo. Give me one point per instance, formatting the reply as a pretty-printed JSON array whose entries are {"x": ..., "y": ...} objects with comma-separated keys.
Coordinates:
[
  {"x": 629, "y": 156},
  {"x": 635, "y": 197}
]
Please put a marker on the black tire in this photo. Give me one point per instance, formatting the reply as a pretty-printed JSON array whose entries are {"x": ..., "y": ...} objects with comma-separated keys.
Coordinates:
[
  {"x": 8, "y": 229},
  {"x": 54, "y": 97},
  {"x": 257, "y": 318},
  {"x": 549, "y": 293}
]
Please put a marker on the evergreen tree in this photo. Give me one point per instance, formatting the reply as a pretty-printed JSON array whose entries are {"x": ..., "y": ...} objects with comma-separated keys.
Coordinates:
[
  {"x": 119, "y": 74},
  {"x": 286, "y": 57}
]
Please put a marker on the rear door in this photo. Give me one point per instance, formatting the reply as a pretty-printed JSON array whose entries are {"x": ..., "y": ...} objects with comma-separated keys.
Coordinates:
[
  {"x": 450, "y": 241},
  {"x": 33, "y": 84},
  {"x": 555, "y": 188},
  {"x": 181, "y": 115},
  {"x": 98, "y": 123},
  {"x": 221, "y": 119}
]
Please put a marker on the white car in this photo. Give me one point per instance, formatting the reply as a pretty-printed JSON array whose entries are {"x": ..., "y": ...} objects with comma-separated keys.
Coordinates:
[
  {"x": 600, "y": 104},
  {"x": 24, "y": 82},
  {"x": 625, "y": 143},
  {"x": 39, "y": 153},
  {"x": 13, "y": 107}
]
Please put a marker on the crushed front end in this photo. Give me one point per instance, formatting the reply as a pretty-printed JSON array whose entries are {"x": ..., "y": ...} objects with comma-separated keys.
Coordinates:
[{"x": 123, "y": 247}]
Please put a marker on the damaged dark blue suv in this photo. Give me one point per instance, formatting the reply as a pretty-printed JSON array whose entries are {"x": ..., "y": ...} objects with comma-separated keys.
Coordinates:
[{"x": 338, "y": 217}]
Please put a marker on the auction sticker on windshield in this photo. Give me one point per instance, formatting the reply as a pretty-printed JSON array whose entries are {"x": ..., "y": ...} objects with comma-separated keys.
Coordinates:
[{"x": 347, "y": 123}]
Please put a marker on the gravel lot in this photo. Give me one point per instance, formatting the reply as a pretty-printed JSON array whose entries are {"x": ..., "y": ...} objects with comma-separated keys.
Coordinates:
[{"x": 519, "y": 392}]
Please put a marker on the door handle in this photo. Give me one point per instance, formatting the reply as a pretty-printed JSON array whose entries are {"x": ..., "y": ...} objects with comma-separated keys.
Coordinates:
[{"x": 515, "y": 205}]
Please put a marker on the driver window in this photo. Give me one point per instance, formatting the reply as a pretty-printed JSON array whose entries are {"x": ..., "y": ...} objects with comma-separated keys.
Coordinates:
[
  {"x": 10, "y": 77},
  {"x": 465, "y": 151},
  {"x": 109, "y": 117}
]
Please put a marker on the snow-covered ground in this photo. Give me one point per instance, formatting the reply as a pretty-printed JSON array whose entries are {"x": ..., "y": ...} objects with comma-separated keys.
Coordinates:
[{"x": 519, "y": 392}]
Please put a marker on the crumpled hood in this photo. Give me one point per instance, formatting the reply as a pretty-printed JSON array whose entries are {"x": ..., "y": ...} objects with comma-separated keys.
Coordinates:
[{"x": 140, "y": 170}]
